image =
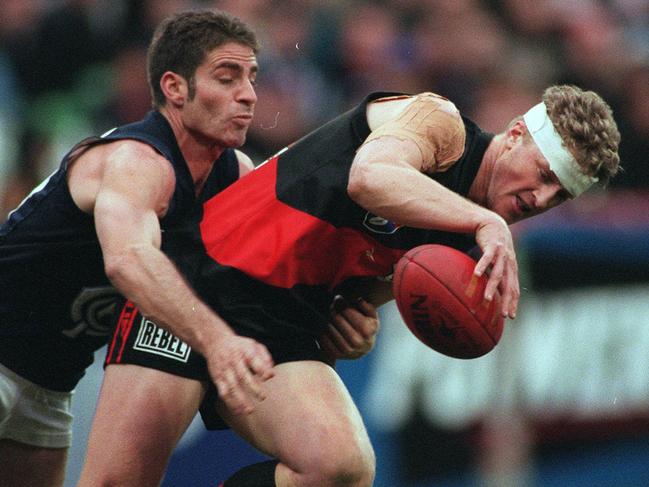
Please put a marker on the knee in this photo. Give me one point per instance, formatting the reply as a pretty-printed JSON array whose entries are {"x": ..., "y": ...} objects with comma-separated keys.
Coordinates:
[
  {"x": 100, "y": 478},
  {"x": 103, "y": 475},
  {"x": 354, "y": 471},
  {"x": 349, "y": 465}
]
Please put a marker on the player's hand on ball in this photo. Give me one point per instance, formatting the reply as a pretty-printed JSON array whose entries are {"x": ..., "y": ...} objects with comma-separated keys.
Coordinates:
[
  {"x": 499, "y": 261},
  {"x": 238, "y": 367},
  {"x": 352, "y": 330},
  {"x": 441, "y": 300}
]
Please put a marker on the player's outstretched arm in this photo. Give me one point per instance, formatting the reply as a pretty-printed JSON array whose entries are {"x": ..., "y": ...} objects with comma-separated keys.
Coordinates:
[
  {"x": 134, "y": 187},
  {"x": 386, "y": 179}
]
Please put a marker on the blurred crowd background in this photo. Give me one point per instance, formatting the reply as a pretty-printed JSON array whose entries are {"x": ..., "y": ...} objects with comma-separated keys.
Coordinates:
[{"x": 74, "y": 68}]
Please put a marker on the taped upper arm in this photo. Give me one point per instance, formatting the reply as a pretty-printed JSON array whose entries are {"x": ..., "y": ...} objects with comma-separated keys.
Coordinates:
[{"x": 433, "y": 124}]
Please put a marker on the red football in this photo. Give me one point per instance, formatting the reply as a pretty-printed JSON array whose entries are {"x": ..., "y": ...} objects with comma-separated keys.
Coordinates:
[{"x": 442, "y": 302}]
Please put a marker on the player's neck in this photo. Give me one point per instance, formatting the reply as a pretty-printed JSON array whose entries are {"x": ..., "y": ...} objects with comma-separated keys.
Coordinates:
[
  {"x": 192, "y": 144},
  {"x": 480, "y": 186},
  {"x": 198, "y": 154}
]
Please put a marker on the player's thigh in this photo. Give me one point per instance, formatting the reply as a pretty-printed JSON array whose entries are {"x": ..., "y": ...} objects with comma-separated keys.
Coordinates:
[
  {"x": 24, "y": 465},
  {"x": 35, "y": 432},
  {"x": 308, "y": 415},
  {"x": 140, "y": 416}
]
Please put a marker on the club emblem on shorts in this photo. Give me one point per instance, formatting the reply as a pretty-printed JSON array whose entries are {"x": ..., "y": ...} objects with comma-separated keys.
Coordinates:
[
  {"x": 153, "y": 339},
  {"x": 378, "y": 224}
]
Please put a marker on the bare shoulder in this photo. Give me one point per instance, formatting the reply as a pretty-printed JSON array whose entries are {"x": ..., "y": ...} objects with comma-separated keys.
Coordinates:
[
  {"x": 245, "y": 163},
  {"x": 120, "y": 151},
  {"x": 134, "y": 152},
  {"x": 128, "y": 160}
]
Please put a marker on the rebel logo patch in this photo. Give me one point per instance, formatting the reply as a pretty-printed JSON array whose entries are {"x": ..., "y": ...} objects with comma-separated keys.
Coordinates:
[{"x": 153, "y": 339}]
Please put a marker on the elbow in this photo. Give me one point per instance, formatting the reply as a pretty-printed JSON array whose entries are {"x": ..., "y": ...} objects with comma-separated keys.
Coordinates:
[
  {"x": 359, "y": 187},
  {"x": 119, "y": 268},
  {"x": 115, "y": 268}
]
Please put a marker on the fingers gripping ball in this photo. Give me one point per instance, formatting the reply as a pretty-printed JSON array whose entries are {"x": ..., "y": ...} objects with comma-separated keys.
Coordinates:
[{"x": 442, "y": 302}]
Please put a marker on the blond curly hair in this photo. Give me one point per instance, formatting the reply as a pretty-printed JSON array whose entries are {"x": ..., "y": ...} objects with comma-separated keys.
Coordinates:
[{"x": 587, "y": 128}]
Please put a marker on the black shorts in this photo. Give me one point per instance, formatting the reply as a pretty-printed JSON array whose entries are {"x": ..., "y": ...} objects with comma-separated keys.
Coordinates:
[{"x": 139, "y": 341}]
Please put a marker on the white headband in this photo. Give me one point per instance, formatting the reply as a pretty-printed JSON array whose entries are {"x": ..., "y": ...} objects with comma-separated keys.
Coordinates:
[{"x": 562, "y": 163}]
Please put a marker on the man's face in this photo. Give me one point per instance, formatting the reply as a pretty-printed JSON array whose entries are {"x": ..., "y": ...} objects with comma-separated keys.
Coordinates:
[
  {"x": 221, "y": 109},
  {"x": 522, "y": 184}
]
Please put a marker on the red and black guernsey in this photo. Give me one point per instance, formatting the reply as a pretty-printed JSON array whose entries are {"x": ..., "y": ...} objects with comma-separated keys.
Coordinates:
[{"x": 281, "y": 240}]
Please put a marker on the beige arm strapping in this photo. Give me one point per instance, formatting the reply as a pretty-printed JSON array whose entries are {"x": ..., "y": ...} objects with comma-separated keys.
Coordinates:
[{"x": 434, "y": 125}]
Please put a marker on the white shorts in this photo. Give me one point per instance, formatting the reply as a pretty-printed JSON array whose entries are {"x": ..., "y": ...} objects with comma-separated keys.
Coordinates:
[{"x": 34, "y": 415}]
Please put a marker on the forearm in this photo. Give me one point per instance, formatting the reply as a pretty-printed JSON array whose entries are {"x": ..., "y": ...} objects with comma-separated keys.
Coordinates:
[
  {"x": 147, "y": 277},
  {"x": 405, "y": 196}
]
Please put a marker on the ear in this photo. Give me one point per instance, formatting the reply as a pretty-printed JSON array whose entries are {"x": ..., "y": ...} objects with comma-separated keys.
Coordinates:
[
  {"x": 517, "y": 130},
  {"x": 175, "y": 88}
]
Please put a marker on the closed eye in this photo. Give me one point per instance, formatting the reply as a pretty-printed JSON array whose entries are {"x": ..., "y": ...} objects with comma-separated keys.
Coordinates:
[{"x": 547, "y": 176}]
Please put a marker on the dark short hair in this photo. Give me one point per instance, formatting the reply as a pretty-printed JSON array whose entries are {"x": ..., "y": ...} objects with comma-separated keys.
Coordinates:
[{"x": 180, "y": 43}]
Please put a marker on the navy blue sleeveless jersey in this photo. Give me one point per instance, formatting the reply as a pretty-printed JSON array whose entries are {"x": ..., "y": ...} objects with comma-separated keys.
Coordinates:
[
  {"x": 280, "y": 241},
  {"x": 56, "y": 303}
]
